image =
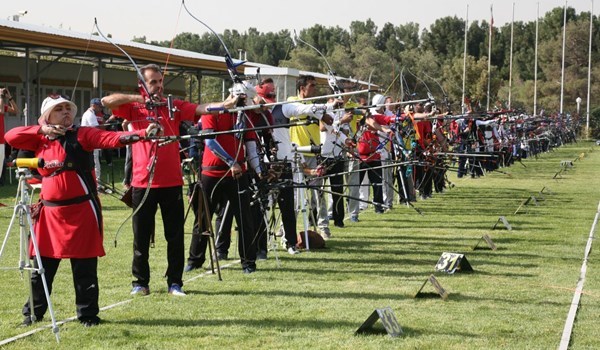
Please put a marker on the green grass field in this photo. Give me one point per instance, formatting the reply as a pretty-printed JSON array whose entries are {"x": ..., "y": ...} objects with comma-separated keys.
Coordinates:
[{"x": 517, "y": 298}]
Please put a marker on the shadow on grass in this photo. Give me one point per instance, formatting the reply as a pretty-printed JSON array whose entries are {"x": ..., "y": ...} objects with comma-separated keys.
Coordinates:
[
  {"x": 500, "y": 273},
  {"x": 410, "y": 332},
  {"x": 488, "y": 225},
  {"x": 387, "y": 272},
  {"x": 409, "y": 247},
  {"x": 116, "y": 207},
  {"x": 277, "y": 323},
  {"x": 504, "y": 252},
  {"x": 480, "y": 260},
  {"x": 369, "y": 239},
  {"x": 253, "y": 323},
  {"x": 470, "y": 298},
  {"x": 313, "y": 295}
]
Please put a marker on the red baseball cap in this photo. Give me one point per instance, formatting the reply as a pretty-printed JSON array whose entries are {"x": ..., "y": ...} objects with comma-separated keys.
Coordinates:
[{"x": 267, "y": 92}]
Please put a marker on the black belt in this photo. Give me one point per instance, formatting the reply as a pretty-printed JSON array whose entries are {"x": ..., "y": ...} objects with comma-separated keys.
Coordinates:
[
  {"x": 65, "y": 202},
  {"x": 216, "y": 167}
]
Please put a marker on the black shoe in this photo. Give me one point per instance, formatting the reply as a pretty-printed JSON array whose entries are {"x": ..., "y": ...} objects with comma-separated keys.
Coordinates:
[
  {"x": 89, "y": 321},
  {"x": 249, "y": 269},
  {"x": 339, "y": 224},
  {"x": 261, "y": 255},
  {"x": 28, "y": 322},
  {"x": 222, "y": 256},
  {"x": 190, "y": 267}
]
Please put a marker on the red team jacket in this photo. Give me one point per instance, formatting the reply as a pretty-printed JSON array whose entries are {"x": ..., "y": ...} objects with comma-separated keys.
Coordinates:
[{"x": 70, "y": 231}]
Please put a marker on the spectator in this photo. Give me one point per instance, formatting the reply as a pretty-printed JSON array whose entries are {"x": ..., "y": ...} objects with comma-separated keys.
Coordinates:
[{"x": 7, "y": 105}]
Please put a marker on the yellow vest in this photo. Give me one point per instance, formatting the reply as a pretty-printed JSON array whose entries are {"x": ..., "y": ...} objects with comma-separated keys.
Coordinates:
[
  {"x": 302, "y": 135},
  {"x": 355, "y": 118}
]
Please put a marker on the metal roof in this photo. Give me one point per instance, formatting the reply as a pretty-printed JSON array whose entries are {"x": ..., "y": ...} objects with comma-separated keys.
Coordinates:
[
  {"x": 16, "y": 36},
  {"x": 41, "y": 40}
]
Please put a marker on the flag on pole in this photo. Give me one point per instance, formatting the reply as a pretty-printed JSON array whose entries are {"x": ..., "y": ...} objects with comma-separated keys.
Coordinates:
[{"x": 487, "y": 107}]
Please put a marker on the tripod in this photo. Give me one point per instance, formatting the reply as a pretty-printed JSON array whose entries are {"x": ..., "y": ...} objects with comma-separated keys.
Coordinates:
[
  {"x": 265, "y": 232},
  {"x": 204, "y": 222},
  {"x": 298, "y": 169},
  {"x": 22, "y": 212}
]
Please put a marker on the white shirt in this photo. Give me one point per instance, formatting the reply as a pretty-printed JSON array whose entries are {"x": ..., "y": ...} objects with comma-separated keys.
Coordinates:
[
  {"x": 383, "y": 138},
  {"x": 282, "y": 135},
  {"x": 89, "y": 118},
  {"x": 332, "y": 138}
]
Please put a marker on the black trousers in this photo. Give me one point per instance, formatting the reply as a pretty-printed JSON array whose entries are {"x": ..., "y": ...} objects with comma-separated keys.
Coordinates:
[
  {"x": 223, "y": 225},
  {"x": 375, "y": 178},
  {"x": 199, "y": 242},
  {"x": 218, "y": 192},
  {"x": 424, "y": 176},
  {"x": 337, "y": 186},
  {"x": 85, "y": 281},
  {"x": 170, "y": 200},
  {"x": 285, "y": 201},
  {"x": 439, "y": 173},
  {"x": 462, "y": 160}
]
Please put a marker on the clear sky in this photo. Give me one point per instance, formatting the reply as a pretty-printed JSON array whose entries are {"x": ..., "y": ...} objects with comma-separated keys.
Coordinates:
[{"x": 163, "y": 19}]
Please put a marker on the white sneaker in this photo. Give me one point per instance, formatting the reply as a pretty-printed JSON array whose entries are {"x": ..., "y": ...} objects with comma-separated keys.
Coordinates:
[
  {"x": 293, "y": 251},
  {"x": 176, "y": 290}
]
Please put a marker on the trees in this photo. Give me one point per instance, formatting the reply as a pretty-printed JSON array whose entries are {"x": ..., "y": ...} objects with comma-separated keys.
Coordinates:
[
  {"x": 432, "y": 56},
  {"x": 445, "y": 37}
]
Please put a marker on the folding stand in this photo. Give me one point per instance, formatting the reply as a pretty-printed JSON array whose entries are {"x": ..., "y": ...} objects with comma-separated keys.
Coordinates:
[
  {"x": 298, "y": 169},
  {"x": 26, "y": 234}
]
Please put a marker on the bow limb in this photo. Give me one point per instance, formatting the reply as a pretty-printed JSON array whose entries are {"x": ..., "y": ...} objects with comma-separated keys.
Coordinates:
[
  {"x": 429, "y": 94},
  {"x": 231, "y": 67},
  {"x": 332, "y": 78},
  {"x": 141, "y": 80},
  {"x": 445, "y": 100},
  {"x": 143, "y": 200},
  {"x": 238, "y": 89}
]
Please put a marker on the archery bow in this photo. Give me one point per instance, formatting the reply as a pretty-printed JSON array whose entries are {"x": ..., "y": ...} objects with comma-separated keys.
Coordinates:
[
  {"x": 239, "y": 88},
  {"x": 151, "y": 105}
]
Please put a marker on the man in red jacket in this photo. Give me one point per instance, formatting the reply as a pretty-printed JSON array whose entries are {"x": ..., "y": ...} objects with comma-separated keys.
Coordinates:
[
  {"x": 368, "y": 146},
  {"x": 157, "y": 178}
]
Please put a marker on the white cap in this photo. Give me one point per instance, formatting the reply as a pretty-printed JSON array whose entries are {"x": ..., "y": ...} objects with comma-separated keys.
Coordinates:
[
  {"x": 378, "y": 99},
  {"x": 249, "y": 90},
  {"x": 48, "y": 105}
]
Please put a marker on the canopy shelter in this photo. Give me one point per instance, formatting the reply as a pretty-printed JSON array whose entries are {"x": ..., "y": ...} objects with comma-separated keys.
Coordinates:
[{"x": 37, "y": 60}]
